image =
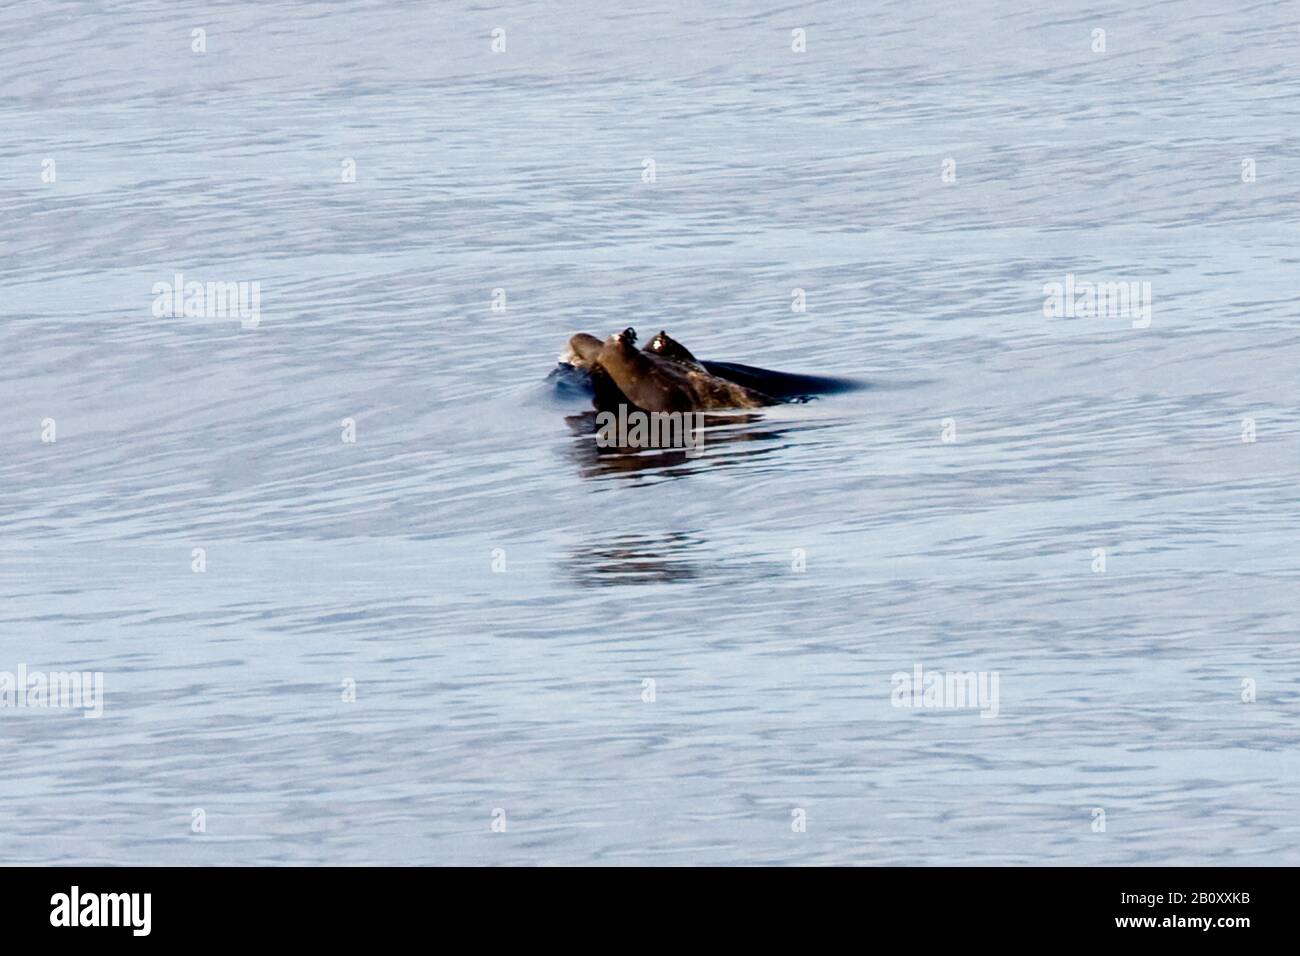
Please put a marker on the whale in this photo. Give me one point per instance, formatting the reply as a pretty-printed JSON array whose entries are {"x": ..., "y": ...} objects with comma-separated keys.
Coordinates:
[{"x": 667, "y": 376}]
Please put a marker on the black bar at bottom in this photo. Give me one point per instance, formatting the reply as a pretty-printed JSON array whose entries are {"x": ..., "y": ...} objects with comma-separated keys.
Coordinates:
[{"x": 1229, "y": 906}]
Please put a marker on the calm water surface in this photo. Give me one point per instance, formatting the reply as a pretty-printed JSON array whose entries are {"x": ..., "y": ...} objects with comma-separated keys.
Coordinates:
[{"x": 370, "y": 564}]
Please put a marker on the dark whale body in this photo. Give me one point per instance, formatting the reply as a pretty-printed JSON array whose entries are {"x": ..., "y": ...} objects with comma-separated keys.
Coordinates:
[
  {"x": 783, "y": 385},
  {"x": 665, "y": 371}
]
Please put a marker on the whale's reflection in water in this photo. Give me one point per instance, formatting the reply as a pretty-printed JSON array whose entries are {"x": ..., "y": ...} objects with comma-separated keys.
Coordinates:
[
  {"x": 724, "y": 438},
  {"x": 654, "y": 558}
]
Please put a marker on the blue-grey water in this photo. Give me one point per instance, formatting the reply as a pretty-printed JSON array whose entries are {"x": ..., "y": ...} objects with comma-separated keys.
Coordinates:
[{"x": 948, "y": 515}]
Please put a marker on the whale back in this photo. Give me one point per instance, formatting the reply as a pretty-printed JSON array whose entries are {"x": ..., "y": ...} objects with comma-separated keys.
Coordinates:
[{"x": 780, "y": 385}]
